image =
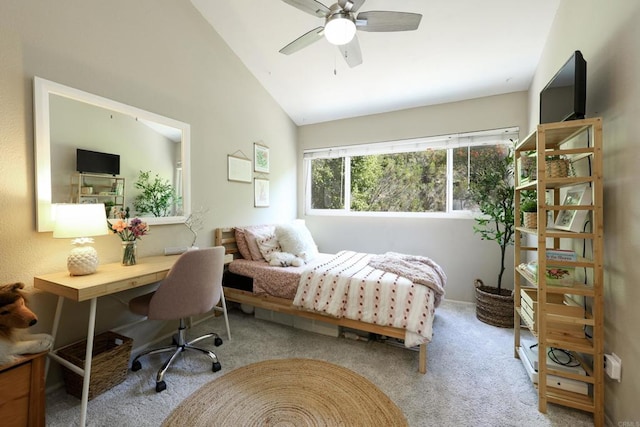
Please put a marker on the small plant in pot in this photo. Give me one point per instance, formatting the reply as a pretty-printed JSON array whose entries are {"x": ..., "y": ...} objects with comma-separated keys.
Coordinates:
[
  {"x": 529, "y": 208},
  {"x": 492, "y": 190}
]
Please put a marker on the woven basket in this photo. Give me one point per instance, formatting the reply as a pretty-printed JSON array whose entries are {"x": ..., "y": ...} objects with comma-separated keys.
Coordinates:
[
  {"x": 111, "y": 352},
  {"x": 557, "y": 168},
  {"x": 530, "y": 219},
  {"x": 493, "y": 308}
]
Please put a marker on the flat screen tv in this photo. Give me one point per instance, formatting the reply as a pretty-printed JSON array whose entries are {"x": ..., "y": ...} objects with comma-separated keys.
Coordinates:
[
  {"x": 96, "y": 162},
  {"x": 565, "y": 96}
]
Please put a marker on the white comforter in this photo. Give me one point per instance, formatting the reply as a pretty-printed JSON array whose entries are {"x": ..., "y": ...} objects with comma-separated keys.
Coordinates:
[{"x": 347, "y": 286}]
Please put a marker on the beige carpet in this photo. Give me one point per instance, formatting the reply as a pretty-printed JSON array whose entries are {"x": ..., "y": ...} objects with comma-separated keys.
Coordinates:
[{"x": 288, "y": 392}]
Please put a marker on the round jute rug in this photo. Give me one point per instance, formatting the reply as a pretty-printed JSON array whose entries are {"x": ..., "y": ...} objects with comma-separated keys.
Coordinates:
[{"x": 288, "y": 392}]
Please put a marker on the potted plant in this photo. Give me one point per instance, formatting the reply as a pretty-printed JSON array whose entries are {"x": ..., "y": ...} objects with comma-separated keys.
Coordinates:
[
  {"x": 157, "y": 197},
  {"x": 529, "y": 208},
  {"x": 492, "y": 190}
]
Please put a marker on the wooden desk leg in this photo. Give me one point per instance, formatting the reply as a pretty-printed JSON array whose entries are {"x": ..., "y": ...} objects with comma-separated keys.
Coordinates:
[
  {"x": 54, "y": 333},
  {"x": 87, "y": 363}
]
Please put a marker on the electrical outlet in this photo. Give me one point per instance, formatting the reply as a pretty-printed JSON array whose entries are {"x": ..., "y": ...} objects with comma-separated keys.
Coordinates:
[{"x": 613, "y": 366}]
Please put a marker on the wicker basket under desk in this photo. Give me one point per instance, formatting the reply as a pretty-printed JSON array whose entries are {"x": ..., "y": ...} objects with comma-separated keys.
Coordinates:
[{"x": 110, "y": 363}]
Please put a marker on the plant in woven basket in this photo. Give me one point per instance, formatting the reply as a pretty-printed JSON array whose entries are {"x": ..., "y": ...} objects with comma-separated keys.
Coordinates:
[
  {"x": 529, "y": 208},
  {"x": 492, "y": 190}
]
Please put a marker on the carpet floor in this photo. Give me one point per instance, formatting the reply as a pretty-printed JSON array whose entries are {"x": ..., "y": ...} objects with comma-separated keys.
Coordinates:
[{"x": 472, "y": 377}]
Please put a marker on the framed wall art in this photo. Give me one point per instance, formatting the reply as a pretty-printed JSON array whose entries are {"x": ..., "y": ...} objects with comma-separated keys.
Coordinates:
[
  {"x": 260, "y": 158},
  {"x": 570, "y": 219},
  {"x": 261, "y": 192},
  {"x": 238, "y": 169}
]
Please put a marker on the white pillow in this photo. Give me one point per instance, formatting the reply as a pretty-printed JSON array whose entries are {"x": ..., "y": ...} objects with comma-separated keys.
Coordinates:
[
  {"x": 296, "y": 239},
  {"x": 268, "y": 245}
]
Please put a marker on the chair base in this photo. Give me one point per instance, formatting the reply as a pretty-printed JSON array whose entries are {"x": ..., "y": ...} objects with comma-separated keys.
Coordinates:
[{"x": 179, "y": 345}]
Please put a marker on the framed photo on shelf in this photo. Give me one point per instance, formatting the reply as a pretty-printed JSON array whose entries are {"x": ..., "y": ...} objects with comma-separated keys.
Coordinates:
[
  {"x": 573, "y": 220},
  {"x": 261, "y": 192},
  {"x": 89, "y": 200},
  {"x": 260, "y": 158},
  {"x": 238, "y": 169}
]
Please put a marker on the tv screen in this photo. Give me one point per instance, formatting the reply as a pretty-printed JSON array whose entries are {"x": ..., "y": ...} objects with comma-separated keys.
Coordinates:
[
  {"x": 565, "y": 96},
  {"x": 96, "y": 162}
]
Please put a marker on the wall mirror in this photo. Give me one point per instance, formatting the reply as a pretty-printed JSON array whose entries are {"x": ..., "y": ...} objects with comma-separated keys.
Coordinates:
[{"x": 67, "y": 119}]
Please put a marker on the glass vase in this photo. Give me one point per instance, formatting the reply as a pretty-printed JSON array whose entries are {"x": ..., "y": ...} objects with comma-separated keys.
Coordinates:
[{"x": 129, "y": 253}]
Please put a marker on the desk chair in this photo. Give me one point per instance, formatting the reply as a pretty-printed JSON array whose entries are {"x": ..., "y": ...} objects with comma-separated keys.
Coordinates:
[{"x": 193, "y": 286}]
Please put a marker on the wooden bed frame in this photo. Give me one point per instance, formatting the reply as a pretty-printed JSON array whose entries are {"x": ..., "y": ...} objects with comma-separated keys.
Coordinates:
[{"x": 226, "y": 237}]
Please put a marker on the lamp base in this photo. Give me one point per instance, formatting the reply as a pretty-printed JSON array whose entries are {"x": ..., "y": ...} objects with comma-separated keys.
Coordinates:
[{"x": 82, "y": 260}]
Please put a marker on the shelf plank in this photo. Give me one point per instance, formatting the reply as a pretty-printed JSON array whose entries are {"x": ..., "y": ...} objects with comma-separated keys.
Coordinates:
[{"x": 571, "y": 399}]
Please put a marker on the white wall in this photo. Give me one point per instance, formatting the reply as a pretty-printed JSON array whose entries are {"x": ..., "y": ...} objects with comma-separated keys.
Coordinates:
[
  {"x": 157, "y": 55},
  {"x": 450, "y": 242},
  {"x": 608, "y": 35}
]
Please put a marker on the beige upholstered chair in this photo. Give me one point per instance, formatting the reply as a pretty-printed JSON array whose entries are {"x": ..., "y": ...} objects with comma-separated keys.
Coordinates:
[{"x": 193, "y": 286}]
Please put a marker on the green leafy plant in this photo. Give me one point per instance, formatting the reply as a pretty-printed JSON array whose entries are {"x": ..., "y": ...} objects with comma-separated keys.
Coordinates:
[
  {"x": 529, "y": 205},
  {"x": 492, "y": 190},
  {"x": 158, "y": 197}
]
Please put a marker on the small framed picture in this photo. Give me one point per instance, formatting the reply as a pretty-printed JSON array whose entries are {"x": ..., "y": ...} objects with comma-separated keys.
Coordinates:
[
  {"x": 260, "y": 158},
  {"x": 91, "y": 200},
  {"x": 570, "y": 219},
  {"x": 261, "y": 192},
  {"x": 238, "y": 169}
]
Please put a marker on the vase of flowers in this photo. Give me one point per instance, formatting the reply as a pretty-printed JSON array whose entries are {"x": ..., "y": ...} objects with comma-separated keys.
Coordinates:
[
  {"x": 129, "y": 249},
  {"x": 129, "y": 232}
]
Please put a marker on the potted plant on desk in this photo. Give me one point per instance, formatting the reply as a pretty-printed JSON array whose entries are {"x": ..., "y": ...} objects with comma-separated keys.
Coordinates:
[{"x": 492, "y": 190}]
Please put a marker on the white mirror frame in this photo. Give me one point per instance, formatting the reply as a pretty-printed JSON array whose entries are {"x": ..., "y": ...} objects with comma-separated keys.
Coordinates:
[{"x": 42, "y": 89}]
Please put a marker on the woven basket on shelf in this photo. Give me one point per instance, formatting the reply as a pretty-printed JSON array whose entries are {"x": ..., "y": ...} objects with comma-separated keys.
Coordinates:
[
  {"x": 530, "y": 219},
  {"x": 111, "y": 352},
  {"x": 557, "y": 168},
  {"x": 493, "y": 308}
]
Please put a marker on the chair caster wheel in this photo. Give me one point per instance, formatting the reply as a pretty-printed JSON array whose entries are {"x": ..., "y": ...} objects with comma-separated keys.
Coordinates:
[
  {"x": 216, "y": 366},
  {"x": 161, "y": 386},
  {"x": 136, "y": 366},
  {"x": 217, "y": 342}
]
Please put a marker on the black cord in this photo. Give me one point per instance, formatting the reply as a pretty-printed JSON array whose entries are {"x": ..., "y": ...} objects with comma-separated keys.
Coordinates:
[
  {"x": 560, "y": 356},
  {"x": 563, "y": 357}
]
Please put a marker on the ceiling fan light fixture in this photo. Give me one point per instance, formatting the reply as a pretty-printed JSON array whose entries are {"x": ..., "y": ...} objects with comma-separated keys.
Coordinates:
[{"x": 339, "y": 29}]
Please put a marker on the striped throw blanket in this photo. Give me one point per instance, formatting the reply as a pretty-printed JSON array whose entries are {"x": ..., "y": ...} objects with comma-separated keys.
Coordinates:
[{"x": 348, "y": 286}]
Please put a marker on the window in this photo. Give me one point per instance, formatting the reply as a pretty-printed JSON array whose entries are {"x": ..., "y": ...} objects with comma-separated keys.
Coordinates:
[{"x": 424, "y": 175}]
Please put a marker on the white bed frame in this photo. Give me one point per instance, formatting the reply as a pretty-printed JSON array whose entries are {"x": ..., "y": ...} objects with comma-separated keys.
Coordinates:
[{"x": 226, "y": 237}]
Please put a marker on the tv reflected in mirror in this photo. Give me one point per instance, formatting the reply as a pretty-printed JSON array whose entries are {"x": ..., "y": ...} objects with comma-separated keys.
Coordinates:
[{"x": 88, "y": 161}]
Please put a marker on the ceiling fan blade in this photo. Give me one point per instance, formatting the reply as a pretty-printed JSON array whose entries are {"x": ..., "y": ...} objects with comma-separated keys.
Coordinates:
[
  {"x": 312, "y": 7},
  {"x": 351, "y": 52},
  {"x": 303, "y": 41},
  {"x": 351, "y": 5},
  {"x": 388, "y": 21}
]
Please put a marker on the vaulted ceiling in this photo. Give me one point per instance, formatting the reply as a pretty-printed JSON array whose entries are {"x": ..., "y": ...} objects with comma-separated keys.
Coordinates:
[{"x": 462, "y": 49}]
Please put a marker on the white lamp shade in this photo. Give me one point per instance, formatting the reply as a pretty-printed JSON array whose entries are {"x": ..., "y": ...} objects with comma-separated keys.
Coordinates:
[
  {"x": 79, "y": 220},
  {"x": 339, "y": 31}
]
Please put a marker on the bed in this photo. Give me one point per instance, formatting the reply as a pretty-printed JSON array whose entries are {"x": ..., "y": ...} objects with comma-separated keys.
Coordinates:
[{"x": 361, "y": 291}]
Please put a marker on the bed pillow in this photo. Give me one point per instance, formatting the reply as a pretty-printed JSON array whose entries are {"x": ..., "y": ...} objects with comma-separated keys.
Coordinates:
[
  {"x": 268, "y": 245},
  {"x": 251, "y": 233},
  {"x": 296, "y": 239},
  {"x": 241, "y": 242}
]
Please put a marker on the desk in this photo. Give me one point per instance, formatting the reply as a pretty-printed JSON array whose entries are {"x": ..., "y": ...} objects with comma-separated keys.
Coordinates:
[{"x": 109, "y": 279}]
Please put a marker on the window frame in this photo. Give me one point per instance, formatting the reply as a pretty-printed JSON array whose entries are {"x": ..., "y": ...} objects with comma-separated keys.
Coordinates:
[{"x": 502, "y": 136}]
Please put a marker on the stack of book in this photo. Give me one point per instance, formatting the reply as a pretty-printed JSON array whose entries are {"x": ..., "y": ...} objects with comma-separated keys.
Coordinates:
[{"x": 555, "y": 274}]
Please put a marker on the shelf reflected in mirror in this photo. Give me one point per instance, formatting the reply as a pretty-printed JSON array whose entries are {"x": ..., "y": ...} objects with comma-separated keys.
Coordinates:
[{"x": 67, "y": 119}]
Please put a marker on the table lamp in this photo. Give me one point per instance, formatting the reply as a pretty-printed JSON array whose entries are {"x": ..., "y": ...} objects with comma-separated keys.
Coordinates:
[{"x": 80, "y": 222}]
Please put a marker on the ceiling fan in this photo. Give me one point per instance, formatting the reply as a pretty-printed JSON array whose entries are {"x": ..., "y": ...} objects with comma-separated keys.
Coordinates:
[{"x": 341, "y": 24}]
